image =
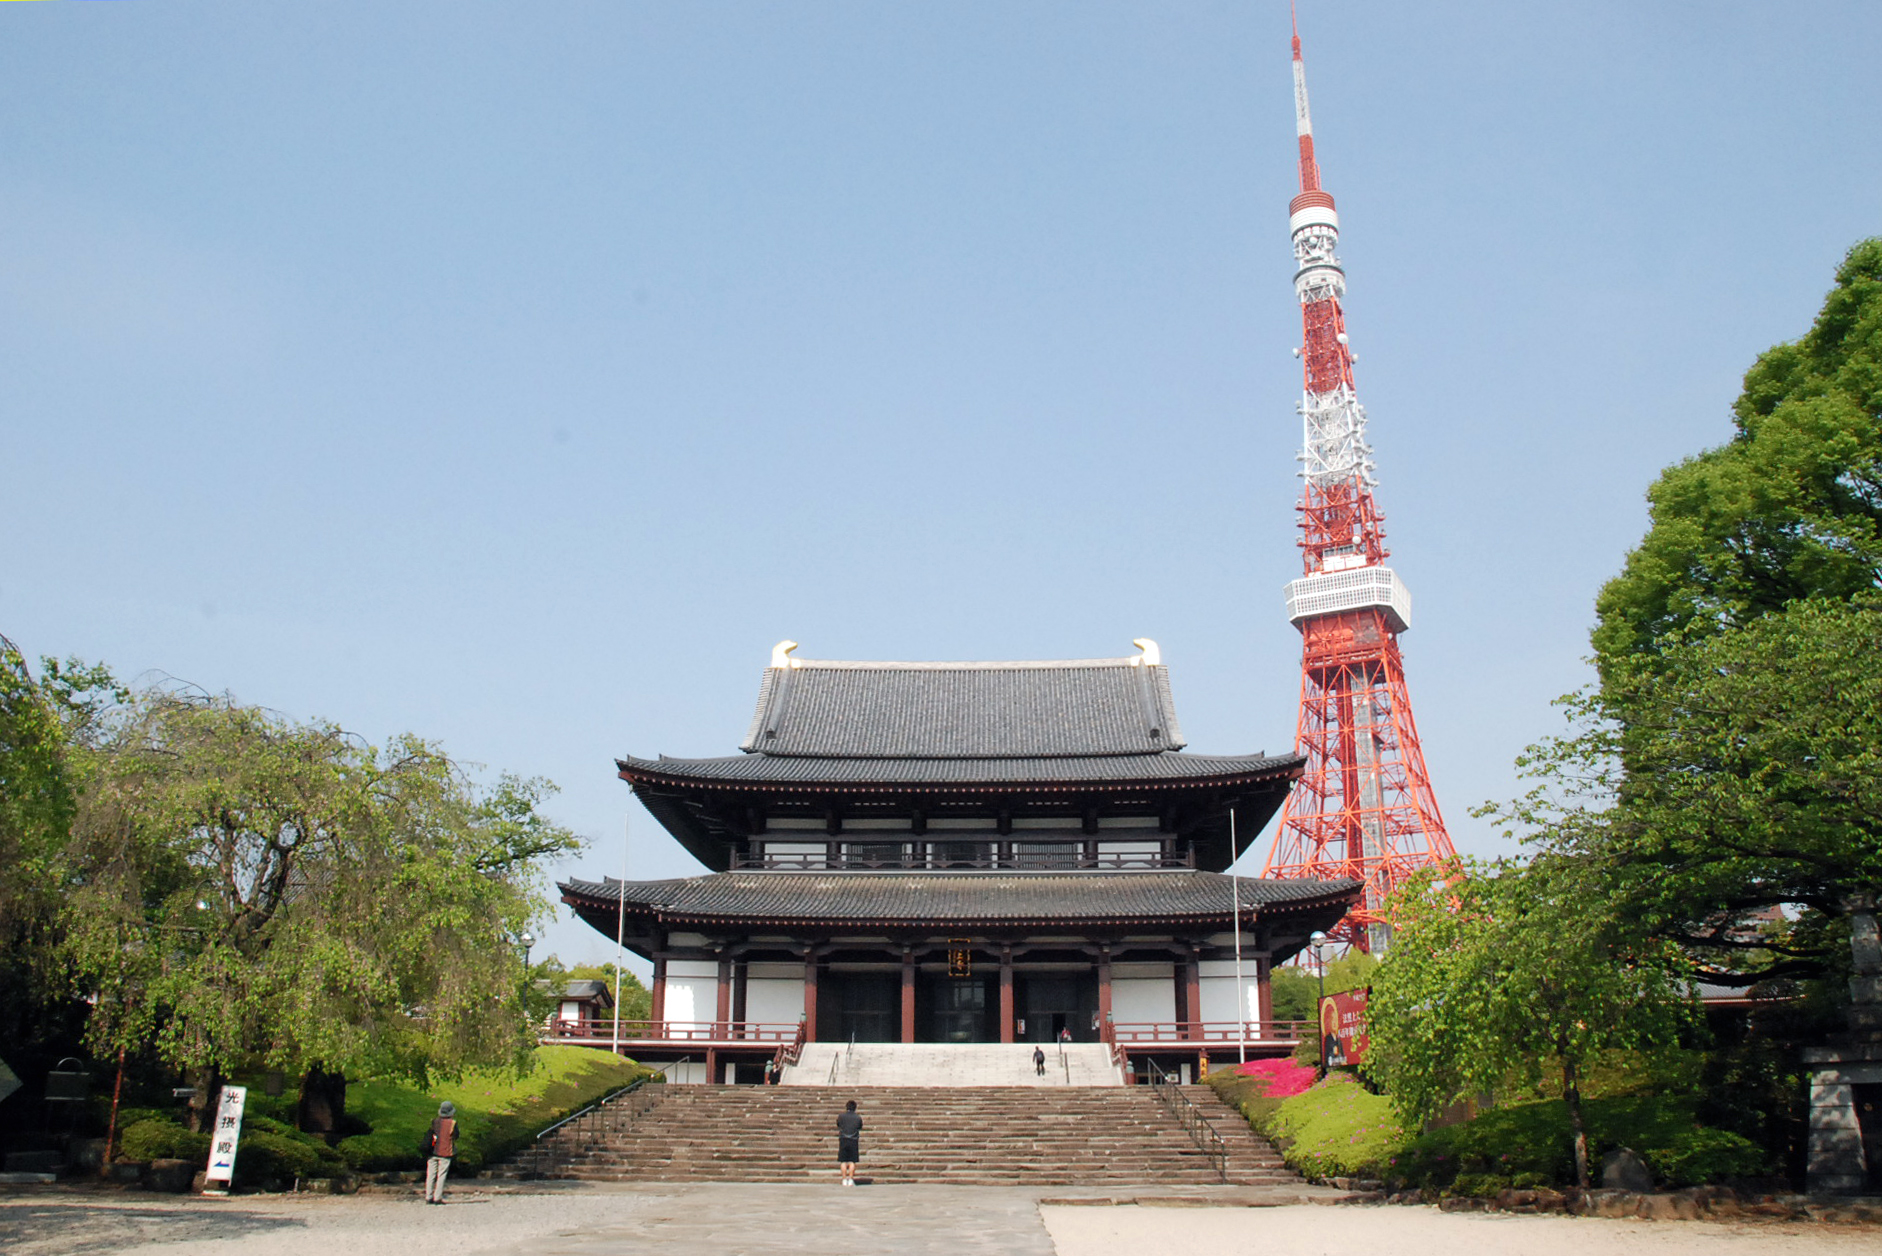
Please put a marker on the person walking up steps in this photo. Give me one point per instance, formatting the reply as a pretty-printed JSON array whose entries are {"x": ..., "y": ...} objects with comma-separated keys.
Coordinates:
[
  {"x": 440, "y": 1146},
  {"x": 849, "y": 1134},
  {"x": 1039, "y": 1061}
]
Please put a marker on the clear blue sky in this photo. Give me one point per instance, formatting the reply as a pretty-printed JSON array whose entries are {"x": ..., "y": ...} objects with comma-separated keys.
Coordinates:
[{"x": 518, "y": 374}]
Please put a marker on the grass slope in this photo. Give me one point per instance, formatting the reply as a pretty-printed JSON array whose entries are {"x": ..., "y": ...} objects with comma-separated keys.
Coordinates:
[{"x": 496, "y": 1113}]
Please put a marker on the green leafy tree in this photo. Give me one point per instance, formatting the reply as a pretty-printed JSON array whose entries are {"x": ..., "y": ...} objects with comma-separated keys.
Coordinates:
[
  {"x": 244, "y": 890},
  {"x": 41, "y": 719},
  {"x": 1789, "y": 508},
  {"x": 1726, "y": 765},
  {"x": 1754, "y": 782},
  {"x": 1517, "y": 969},
  {"x": 553, "y": 974}
]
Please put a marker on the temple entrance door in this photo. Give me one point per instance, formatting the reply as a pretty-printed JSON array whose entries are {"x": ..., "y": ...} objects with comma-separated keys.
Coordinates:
[
  {"x": 956, "y": 1009},
  {"x": 867, "y": 1005},
  {"x": 1052, "y": 1002}
]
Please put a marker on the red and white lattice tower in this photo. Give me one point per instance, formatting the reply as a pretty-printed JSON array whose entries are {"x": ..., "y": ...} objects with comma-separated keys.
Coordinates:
[{"x": 1364, "y": 806}]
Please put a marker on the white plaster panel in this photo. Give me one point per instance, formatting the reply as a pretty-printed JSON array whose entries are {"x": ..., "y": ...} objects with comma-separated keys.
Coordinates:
[
  {"x": 1143, "y": 998},
  {"x": 692, "y": 998},
  {"x": 692, "y": 968},
  {"x": 774, "y": 1000},
  {"x": 1218, "y": 998}
]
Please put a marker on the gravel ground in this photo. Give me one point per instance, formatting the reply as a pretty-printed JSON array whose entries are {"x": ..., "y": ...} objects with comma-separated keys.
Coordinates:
[
  {"x": 1397, "y": 1231},
  {"x": 774, "y": 1220}
]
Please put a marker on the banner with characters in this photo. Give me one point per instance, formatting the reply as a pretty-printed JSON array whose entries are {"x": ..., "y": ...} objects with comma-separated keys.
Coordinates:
[{"x": 1343, "y": 1028}]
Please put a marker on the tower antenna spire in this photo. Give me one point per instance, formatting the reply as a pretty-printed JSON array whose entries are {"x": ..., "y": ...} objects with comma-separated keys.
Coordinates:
[
  {"x": 1303, "y": 121},
  {"x": 1363, "y": 807}
]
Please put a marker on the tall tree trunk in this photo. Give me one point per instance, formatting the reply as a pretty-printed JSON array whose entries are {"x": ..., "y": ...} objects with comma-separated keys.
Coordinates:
[
  {"x": 1571, "y": 1095},
  {"x": 203, "y": 1099},
  {"x": 322, "y": 1107}
]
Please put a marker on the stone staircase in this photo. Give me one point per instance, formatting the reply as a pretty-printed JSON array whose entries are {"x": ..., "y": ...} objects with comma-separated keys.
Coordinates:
[
  {"x": 951, "y": 1064},
  {"x": 986, "y": 1135}
]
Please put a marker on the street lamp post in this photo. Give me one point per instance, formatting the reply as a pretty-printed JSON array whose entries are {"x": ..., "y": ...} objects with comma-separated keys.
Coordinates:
[
  {"x": 528, "y": 942},
  {"x": 1319, "y": 941}
]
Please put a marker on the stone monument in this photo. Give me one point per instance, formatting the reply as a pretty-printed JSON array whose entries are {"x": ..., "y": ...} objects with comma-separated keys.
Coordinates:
[{"x": 1845, "y": 1150}]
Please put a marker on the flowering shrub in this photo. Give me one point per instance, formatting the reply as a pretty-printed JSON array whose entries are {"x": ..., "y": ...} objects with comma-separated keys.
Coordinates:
[{"x": 1284, "y": 1078}]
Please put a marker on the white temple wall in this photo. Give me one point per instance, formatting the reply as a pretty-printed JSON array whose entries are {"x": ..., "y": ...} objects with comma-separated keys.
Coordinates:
[
  {"x": 692, "y": 990},
  {"x": 774, "y": 993},
  {"x": 1143, "y": 992}
]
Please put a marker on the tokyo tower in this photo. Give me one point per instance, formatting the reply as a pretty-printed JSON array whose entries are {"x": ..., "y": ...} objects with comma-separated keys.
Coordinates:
[{"x": 1364, "y": 806}]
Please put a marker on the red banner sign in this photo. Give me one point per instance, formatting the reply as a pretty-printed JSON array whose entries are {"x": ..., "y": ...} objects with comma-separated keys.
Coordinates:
[{"x": 1343, "y": 1028}]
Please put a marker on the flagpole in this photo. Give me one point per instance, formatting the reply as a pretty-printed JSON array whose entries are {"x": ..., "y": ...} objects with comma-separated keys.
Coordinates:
[
  {"x": 620, "y": 929},
  {"x": 1241, "y": 991}
]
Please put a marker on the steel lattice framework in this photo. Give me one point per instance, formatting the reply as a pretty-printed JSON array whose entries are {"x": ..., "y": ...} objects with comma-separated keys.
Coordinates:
[{"x": 1364, "y": 806}]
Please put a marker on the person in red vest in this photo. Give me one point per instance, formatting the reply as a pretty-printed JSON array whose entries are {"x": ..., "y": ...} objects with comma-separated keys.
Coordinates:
[{"x": 440, "y": 1146}]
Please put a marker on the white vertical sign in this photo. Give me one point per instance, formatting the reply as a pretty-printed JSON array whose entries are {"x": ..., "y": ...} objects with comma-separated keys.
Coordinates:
[{"x": 227, "y": 1133}]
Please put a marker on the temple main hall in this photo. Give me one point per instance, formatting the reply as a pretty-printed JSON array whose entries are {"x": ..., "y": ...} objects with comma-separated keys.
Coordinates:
[{"x": 1002, "y": 852}]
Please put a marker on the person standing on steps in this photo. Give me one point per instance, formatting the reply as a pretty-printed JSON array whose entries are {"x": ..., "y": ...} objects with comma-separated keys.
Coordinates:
[
  {"x": 440, "y": 1146},
  {"x": 849, "y": 1135},
  {"x": 1039, "y": 1061}
]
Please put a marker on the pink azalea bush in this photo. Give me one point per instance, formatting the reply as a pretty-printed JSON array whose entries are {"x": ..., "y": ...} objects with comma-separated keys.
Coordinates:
[{"x": 1284, "y": 1078}]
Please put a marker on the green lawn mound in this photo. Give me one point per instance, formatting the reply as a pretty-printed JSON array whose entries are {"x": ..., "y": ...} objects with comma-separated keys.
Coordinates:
[
  {"x": 497, "y": 1114},
  {"x": 1340, "y": 1129}
]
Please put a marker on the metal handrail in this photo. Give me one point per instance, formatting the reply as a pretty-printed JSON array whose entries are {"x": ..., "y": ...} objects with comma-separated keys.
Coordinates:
[
  {"x": 607, "y": 1115},
  {"x": 1207, "y": 1138},
  {"x": 610, "y": 1097}
]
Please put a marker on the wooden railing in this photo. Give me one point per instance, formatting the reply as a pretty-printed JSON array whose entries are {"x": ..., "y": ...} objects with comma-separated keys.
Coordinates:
[
  {"x": 938, "y": 863},
  {"x": 757, "y": 1033},
  {"x": 1183, "y": 1033}
]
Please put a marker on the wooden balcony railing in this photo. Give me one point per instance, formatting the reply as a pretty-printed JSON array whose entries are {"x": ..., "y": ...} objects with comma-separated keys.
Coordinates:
[
  {"x": 756, "y": 1033},
  {"x": 937, "y": 863},
  {"x": 1183, "y": 1033}
]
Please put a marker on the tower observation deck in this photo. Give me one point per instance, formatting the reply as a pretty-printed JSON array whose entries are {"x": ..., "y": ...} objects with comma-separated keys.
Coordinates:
[{"x": 1363, "y": 807}]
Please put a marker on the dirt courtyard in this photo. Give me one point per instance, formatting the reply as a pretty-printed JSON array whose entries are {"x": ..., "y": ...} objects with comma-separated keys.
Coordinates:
[{"x": 760, "y": 1220}]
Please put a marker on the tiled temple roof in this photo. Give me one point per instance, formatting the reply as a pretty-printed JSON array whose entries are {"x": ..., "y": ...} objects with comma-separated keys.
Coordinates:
[
  {"x": 942, "y": 899},
  {"x": 1073, "y": 708},
  {"x": 784, "y": 771}
]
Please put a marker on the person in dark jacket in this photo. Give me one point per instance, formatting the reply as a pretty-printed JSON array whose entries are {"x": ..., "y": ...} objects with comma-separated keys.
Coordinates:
[
  {"x": 1039, "y": 1061},
  {"x": 849, "y": 1134},
  {"x": 440, "y": 1146}
]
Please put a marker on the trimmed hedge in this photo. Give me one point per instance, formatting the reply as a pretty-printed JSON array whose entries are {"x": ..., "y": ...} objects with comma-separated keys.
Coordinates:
[
  {"x": 1529, "y": 1144},
  {"x": 155, "y": 1138},
  {"x": 1339, "y": 1129}
]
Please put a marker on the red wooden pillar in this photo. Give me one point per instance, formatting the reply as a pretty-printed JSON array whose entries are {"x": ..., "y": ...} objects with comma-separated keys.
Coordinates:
[
  {"x": 908, "y": 994},
  {"x": 1264, "y": 994},
  {"x": 712, "y": 1066},
  {"x": 722, "y": 1013},
  {"x": 1104, "y": 991},
  {"x": 659, "y": 1009},
  {"x": 810, "y": 995},
  {"x": 1006, "y": 993}
]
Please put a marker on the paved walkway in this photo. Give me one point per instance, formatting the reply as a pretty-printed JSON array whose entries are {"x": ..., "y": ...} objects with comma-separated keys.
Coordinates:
[{"x": 771, "y": 1220}]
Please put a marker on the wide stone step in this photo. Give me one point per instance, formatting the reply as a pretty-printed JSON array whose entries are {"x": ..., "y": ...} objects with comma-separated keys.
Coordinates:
[{"x": 992, "y": 1135}]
